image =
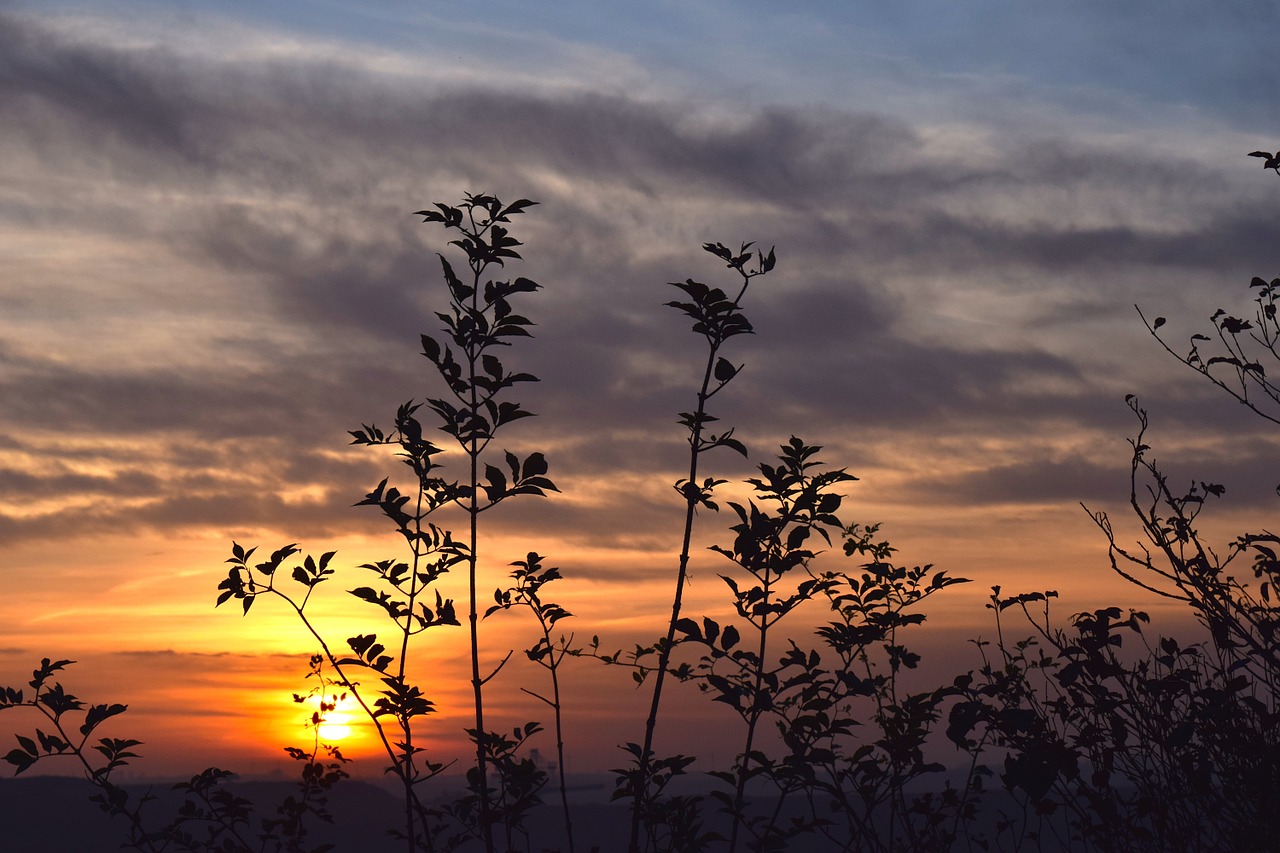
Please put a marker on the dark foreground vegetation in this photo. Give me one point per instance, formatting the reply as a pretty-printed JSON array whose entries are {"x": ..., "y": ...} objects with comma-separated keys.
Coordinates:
[{"x": 1077, "y": 734}]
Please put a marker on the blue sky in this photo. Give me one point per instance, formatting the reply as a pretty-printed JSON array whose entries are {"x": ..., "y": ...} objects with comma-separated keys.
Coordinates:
[
  {"x": 211, "y": 272},
  {"x": 1096, "y": 57}
]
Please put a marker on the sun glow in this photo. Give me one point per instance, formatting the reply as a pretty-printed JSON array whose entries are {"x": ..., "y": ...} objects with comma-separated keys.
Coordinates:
[
  {"x": 334, "y": 728},
  {"x": 330, "y": 718}
]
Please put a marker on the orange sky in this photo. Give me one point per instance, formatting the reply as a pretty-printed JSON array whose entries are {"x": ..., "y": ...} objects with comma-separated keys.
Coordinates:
[{"x": 213, "y": 687}]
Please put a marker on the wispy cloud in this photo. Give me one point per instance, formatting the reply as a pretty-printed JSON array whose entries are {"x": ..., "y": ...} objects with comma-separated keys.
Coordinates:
[{"x": 265, "y": 282}]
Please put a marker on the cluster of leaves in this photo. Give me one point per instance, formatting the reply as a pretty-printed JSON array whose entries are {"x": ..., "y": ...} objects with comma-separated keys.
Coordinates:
[
  {"x": 1269, "y": 160},
  {"x": 1167, "y": 746},
  {"x": 851, "y": 741},
  {"x": 54, "y": 704},
  {"x": 530, "y": 576},
  {"x": 1239, "y": 347}
]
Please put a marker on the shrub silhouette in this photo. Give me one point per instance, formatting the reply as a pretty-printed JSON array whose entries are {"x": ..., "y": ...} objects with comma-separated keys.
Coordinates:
[
  {"x": 1170, "y": 745},
  {"x": 1088, "y": 735}
]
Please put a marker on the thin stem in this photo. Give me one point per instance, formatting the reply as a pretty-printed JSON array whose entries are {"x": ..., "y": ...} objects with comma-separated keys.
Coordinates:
[
  {"x": 715, "y": 337},
  {"x": 553, "y": 664},
  {"x": 753, "y": 717},
  {"x": 406, "y": 632},
  {"x": 473, "y": 513},
  {"x": 403, "y": 768},
  {"x": 664, "y": 654}
]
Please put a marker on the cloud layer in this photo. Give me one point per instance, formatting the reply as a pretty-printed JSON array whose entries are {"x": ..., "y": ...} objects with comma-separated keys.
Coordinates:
[{"x": 212, "y": 273}]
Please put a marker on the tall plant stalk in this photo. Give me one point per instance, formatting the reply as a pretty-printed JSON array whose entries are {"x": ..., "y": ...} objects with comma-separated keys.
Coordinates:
[
  {"x": 716, "y": 318},
  {"x": 479, "y": 320}
]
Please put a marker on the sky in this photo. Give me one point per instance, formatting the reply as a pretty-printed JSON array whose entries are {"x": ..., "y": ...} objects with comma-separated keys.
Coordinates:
[{"x": 212, "y": 272}]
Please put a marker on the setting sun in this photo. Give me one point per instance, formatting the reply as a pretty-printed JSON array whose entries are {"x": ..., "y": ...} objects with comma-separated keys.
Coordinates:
[
  {"x": 334, "y": 728},
  {"x": 330, "y": 717}
]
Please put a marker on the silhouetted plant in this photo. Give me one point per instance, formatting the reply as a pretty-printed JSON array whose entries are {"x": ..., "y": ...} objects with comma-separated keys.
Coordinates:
[
  {"x": 1174, "y": 562},
  {"x": 811, "y": 714},
  {"x": 479, "y": 319},
  {"x": 397, "y": 698},
  {"x": 851, "y": 741},
  {"x": 1236, "y": 362},
  {"x": 1166, "y": 746},
  {"x": 669, "y": 822},
  {"x": 1163, "y": 747},
  {"x": 1169, "y": 746},
  {"x": 1231, "y": 685},
  {"x": 717, "y": 318},
  {"x": 794, "y": 502},
  {"x": 322, "y": 765},
  {"x": 819, "y": 702},
  {"x": 1269, "y": 160},
  {"x": 515, "y": 796},
  {"x": 1237, "y": 367},
  {"x": 210, "y": 818},
  {"x": 73, "y": 724},
  {"x": 530, "y": 577},
  {"x": 862, "y": 734}
]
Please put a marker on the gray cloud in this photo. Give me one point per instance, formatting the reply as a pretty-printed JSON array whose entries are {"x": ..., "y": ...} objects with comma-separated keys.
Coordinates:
[{"x": 287, "y": 187}]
